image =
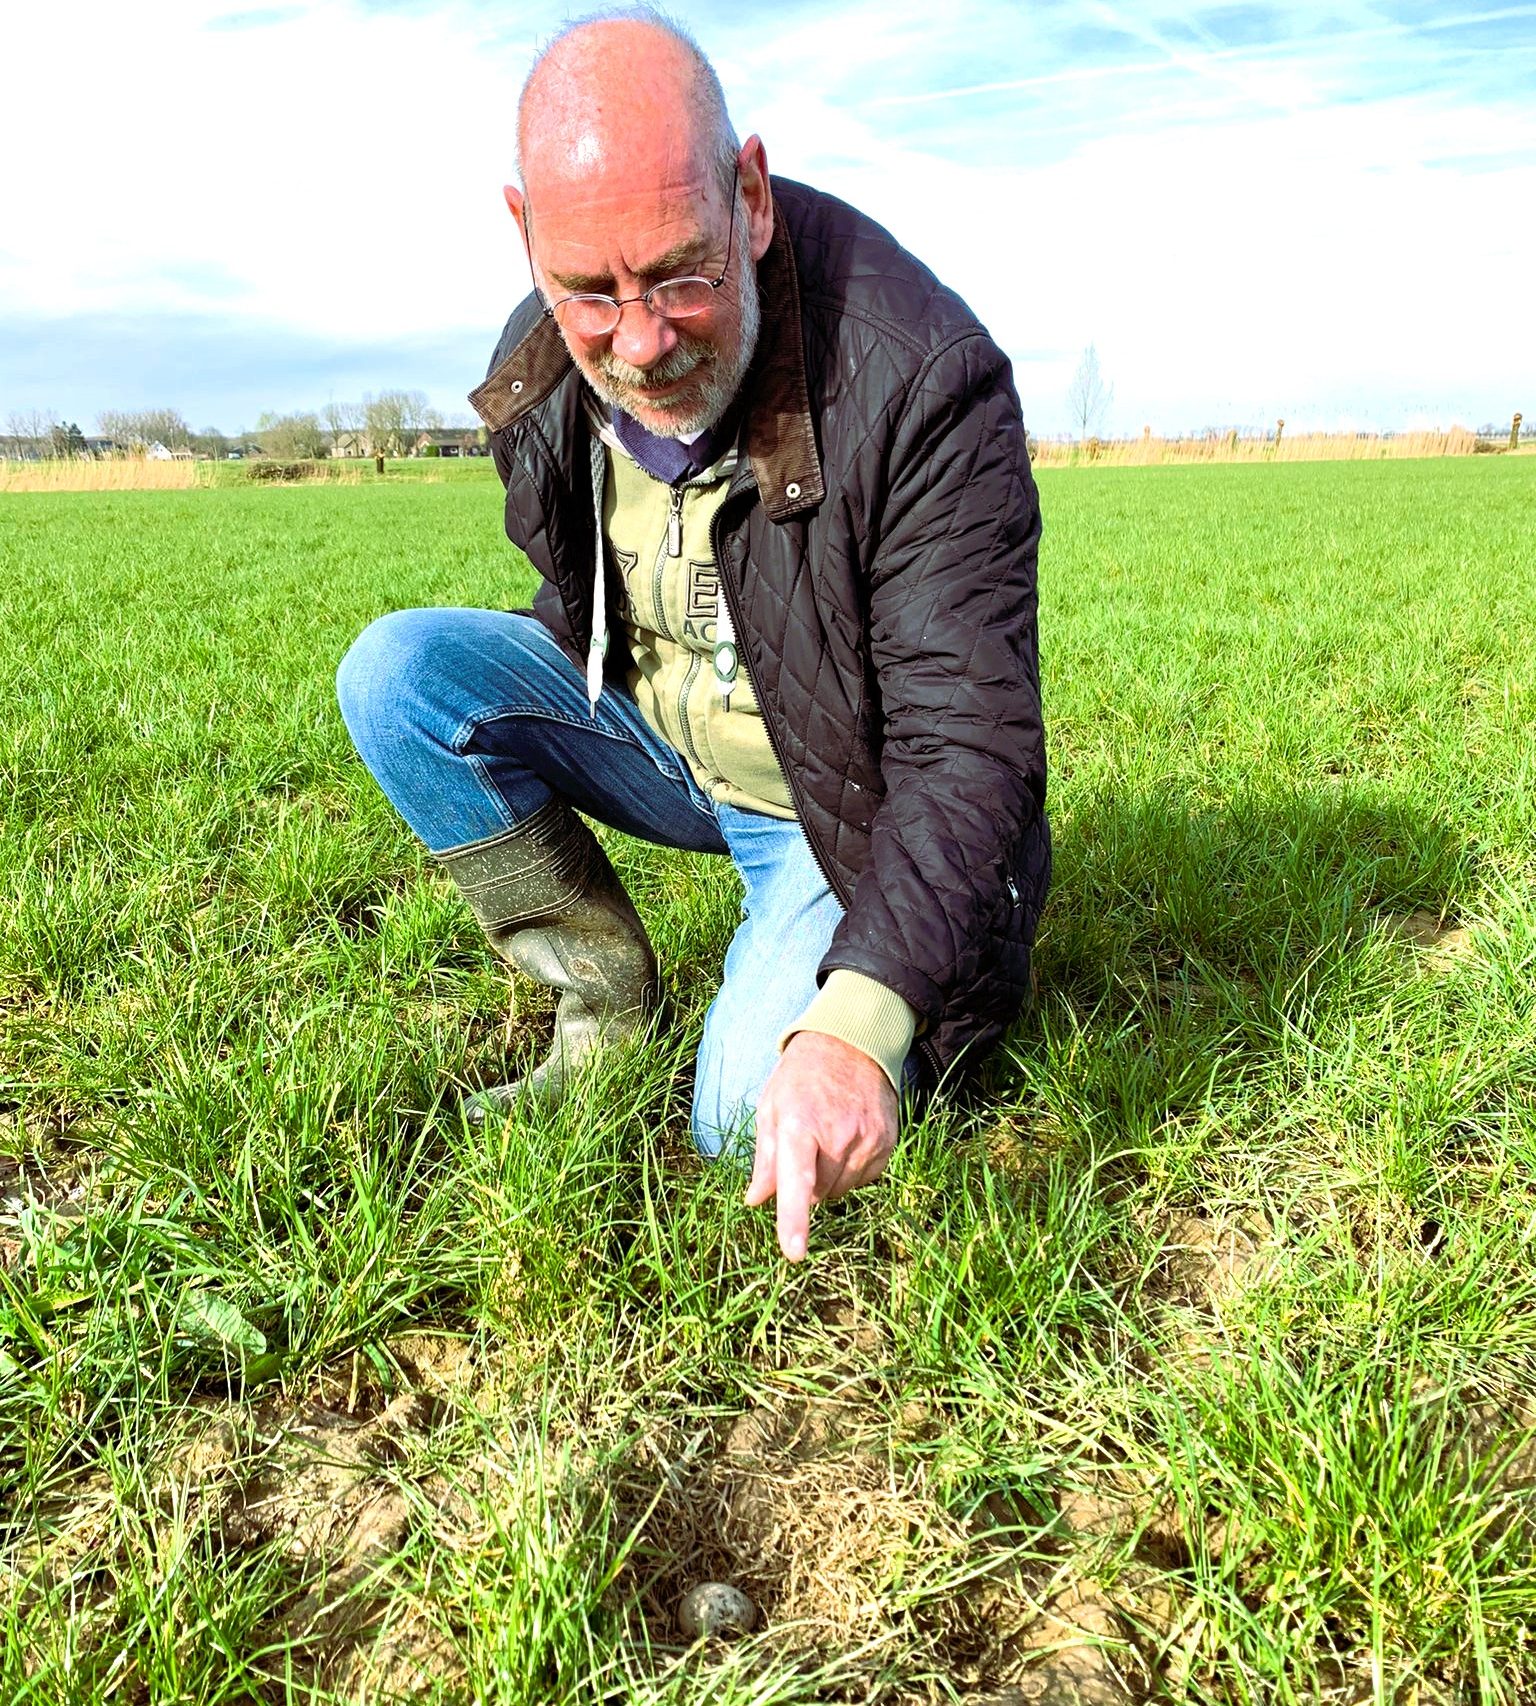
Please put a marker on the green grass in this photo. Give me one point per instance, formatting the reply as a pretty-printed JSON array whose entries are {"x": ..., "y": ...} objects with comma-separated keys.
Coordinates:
[{"x": 1215, "y": 1309}]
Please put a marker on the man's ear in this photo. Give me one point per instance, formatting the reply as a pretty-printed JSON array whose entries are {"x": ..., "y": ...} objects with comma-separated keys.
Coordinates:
[
  {"x": 757, "y": 191},
  {"x": 517, "y": 206}
]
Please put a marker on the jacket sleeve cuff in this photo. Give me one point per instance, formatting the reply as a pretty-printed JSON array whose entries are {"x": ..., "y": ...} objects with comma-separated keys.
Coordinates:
[{"x": 865, "y": 1014}]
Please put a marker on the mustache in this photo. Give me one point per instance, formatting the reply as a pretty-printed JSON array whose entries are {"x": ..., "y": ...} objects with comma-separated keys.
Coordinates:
[{"x": 689, "y": 355}]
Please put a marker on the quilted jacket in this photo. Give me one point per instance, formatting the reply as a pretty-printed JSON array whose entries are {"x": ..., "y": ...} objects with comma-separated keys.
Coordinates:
[{"x": 877, "y": 553}]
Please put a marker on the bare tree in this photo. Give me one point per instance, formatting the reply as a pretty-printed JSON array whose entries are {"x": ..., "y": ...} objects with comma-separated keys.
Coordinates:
[
  {"x": 394, "y": 418},
  {"x": 31, "y": 431},
  {"x": 1088, "y": 396},
  {"x": 137, "y": 429},
  {"x": 121, "y": 427},
  {"x": 291, "y": 437},
  {"x": 341, "y": 419},
  {"x": 383, "y": 417}
]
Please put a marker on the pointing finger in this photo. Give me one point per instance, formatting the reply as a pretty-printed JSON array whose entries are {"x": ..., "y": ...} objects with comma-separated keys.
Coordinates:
[{"x": 796, "y": 1191}]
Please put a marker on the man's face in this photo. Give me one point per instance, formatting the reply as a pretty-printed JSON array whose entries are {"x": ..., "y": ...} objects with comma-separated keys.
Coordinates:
[{"x": 618, "y": 237}]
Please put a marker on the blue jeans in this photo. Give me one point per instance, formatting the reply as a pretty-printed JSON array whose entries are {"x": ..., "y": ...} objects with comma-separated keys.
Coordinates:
[{"x": 471, "y": 719}]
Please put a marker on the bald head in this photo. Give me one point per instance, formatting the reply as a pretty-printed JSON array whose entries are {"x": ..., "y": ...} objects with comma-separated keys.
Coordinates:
[
  {"x": 618, "y": 91},
  {"x": 633, "y": 178}
]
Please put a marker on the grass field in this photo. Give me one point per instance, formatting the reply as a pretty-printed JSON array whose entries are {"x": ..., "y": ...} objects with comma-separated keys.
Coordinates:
[{"x": 1194, "y": 1360}]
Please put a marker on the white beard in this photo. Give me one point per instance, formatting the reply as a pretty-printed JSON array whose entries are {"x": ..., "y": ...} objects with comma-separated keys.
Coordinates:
[{"x": 617, "y": 383}]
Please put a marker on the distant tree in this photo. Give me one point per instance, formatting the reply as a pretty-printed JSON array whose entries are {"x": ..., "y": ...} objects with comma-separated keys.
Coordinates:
[
  {"x": 211, "y": 442},
  {"x": 137, "y": 429},
  {"x": 1088, "y": 396},
  {"x": 67, "y": 439},
  {"x": 167, "y": 427},
  {"x": 291, "y": 437},
  {"x": 121, "y": 427},
  {"x": 341, "y": 419},
  {"x": 32, "y": 430},
  {"x": 383, "y": 416},
  {"x": 394, "y": 418}
]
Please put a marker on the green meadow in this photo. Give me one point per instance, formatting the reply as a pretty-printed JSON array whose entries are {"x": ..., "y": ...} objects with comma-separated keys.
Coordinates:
[{"x": 1189, "y": 1357}]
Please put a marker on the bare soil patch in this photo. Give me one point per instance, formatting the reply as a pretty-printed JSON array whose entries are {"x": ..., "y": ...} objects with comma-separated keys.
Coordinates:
[
  {"x": 37, "y": 1171},
  {"x": 1210, "y": 1260},
  {"x": 1442, "y": 943},
  {"x": 843, "y": 1546}
]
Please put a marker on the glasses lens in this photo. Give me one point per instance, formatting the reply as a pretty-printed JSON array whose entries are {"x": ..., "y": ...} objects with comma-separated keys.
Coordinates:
[
  {"x": 587, "y": 316},
  {"x": 679, "y": 298}
]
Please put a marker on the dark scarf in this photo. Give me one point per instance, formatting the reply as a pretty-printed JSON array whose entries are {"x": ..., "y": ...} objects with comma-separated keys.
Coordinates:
[{"x": 669, "y": 459}]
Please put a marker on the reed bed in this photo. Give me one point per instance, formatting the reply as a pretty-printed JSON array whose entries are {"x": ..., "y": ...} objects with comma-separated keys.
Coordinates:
[
  {"x": 99, "y": 474},
  {"x": 1149, "y": 451},
  {"x": 146, "y": 474}
]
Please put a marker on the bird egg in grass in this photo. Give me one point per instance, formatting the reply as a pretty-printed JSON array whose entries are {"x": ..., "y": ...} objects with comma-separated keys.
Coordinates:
[{"x": 718, "y": 1609}]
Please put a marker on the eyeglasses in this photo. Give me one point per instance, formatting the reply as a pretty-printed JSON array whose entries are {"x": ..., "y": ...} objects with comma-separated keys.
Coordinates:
[{"x": 588, "y": 315}]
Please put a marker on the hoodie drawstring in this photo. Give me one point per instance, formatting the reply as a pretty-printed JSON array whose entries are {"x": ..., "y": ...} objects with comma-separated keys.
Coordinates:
[{"x": 597, "y": 646}]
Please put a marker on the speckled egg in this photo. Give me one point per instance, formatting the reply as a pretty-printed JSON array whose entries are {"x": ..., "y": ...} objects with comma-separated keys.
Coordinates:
[{"x": 717, "y": 1609}]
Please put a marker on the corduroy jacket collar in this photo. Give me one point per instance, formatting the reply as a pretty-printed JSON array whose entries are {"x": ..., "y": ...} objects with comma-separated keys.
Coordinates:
[{"x": 781, "y": 436}]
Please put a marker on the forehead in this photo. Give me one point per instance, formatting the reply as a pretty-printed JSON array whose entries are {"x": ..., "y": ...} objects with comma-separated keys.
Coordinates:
[{"x": 603, "y": 213}]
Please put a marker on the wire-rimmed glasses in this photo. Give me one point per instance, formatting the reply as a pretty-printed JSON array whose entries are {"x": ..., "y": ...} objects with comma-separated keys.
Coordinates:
[{"x": 587, "y": 314}]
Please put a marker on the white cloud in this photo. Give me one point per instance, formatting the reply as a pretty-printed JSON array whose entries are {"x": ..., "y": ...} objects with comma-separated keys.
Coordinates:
[
  {"x": 335, "y": 169},
  {"x": 1318, "y": 223},
  {"x": 1247, "y": 245}
]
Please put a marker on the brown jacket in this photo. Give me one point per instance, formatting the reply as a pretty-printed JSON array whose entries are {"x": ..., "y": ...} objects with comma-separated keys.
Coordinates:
[{"x": 877, "y": 551}]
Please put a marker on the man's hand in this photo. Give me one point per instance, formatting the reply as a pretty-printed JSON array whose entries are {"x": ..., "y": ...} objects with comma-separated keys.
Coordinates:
[{"x": 826, "y": 1123}]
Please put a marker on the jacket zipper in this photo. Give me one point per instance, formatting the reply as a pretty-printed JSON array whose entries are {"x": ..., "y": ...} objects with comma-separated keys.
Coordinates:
[
  {"x": 769, "y": 712},
  {"x": 686, "y": 727},
  {"x": 675, "y": 521},
  {"x": 671, "y": 545}
]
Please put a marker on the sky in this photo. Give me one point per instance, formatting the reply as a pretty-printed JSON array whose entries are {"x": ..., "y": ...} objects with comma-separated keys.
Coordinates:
[{"x": 1323, "y": 210}]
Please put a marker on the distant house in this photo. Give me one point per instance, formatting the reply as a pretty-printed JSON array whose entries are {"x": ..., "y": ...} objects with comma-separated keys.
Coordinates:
[
  {"x": 449, "y": 441},
  {"x": 96, "y": 445},
  {"x": 352, "y": 441}
]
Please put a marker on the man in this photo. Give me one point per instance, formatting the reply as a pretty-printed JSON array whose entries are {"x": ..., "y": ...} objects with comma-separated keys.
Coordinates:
[{"x": 774, "y": 477}]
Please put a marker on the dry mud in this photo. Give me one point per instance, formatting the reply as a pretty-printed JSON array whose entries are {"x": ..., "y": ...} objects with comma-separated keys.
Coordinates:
[{"x": 1441, "y": 943}]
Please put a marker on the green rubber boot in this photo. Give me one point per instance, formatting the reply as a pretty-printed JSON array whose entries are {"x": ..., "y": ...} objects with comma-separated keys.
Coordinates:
[{"x": 553, "y": 907}]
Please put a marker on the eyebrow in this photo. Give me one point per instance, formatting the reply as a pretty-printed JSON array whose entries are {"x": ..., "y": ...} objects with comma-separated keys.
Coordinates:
[{"x": 680, "y": 256}]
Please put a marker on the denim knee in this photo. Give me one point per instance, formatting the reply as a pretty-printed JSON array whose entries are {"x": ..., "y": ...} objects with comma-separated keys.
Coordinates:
[
  {"x": 727, "y": 1083},
  {"x": 718, "y": 1137},
  {"x": 382, "y": 655}
]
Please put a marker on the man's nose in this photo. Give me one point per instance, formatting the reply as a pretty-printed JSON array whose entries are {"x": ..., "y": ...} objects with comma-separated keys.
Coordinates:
[{"x": 642, "y": 336}]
